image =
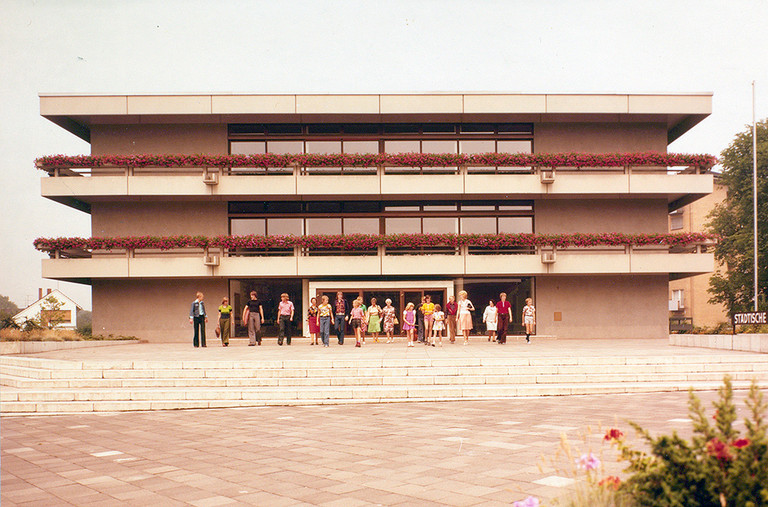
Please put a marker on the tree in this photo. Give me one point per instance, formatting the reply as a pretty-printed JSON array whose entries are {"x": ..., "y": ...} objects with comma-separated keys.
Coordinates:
[
  {"x": 7, "y": 307},
  {"x": 732, "y": 220},
  {"x": 51, "y": 314}
]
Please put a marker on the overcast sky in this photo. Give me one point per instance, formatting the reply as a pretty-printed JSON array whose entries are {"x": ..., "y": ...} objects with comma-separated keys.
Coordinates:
[{"x": 103, "y": 46}]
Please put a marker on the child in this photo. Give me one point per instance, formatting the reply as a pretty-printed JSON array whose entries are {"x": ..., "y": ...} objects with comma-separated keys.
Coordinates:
[
  {"x": 490, "y": 316},
  {"x": 438, "y": 325},
  {"x": 529, "y": 318},
  {"x": 409, "y": 323},
  {"x": 356, "y": 319}
]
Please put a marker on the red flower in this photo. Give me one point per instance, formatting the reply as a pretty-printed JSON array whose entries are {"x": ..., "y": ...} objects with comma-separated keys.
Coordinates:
[
  {"x": 611, "y": 482},
  {"x": 741, "y": 443},
  {"x": 613, "y": 434},
  {"x": 719, "y": 450}
]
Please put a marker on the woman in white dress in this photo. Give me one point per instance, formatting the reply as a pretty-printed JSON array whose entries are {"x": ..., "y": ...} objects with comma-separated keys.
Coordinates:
[
  {"x": 491, "y": 318},
  {"x": 464, "y": 321}
]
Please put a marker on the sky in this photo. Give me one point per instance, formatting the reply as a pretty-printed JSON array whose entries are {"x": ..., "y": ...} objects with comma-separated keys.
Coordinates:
[{"x": 187, "y": 46}]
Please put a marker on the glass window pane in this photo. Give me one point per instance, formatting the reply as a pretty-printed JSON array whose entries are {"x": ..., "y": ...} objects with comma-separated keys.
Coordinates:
[
  {"x": 478, "y": 128},
  {"x": 515, "y": 146},
  {"x": 441, "y": 225},
  {"x": 478, "y": 225},
  {"x": 478, "y": 146},
  {"x": 323, "y": 146},
  {"x": 478, "y": 207},
  {"x": 247, "y": 147},
  {"x": 401, "y": 207},
  {"x": 284, "y": 226},
  {"x": 402, "y": 225},
  {"x": 402, "y": 146},
  {"x": 361, "y": 146},
  {"x": 362, "y": 206},
  {"x": 285, "y": 147},
  {"x": 245, "y": 226},
  {"x": 361, "y": 226},
  {"x": 438, "y": 147},
  {"x": 440, "y": 207},
  {"x": 516, "y": 207},
  {"x": 323, "y": 207},
  {"x": 514, "y": 225},
  {"x": 323, "y": 226}
]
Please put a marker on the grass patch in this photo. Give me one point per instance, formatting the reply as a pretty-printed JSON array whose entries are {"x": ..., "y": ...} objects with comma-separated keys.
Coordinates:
[{"x": 54, "y": 335}]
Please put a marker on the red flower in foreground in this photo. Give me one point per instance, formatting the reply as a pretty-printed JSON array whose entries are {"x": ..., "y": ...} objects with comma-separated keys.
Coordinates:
[
  {"x": 719, "y": 450},
  {"x": 611, "y": 482},
  {"x": 613, "y": 434},
  {"x": 741, "y": 443}
]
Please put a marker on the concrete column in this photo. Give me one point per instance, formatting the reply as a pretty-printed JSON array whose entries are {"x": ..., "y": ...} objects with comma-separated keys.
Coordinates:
[
  {"x": 305, "y": 297},
  {"x": 458, "y": 286}
]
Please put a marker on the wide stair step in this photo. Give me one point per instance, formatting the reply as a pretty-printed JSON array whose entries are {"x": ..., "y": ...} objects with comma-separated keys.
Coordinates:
[{"x": 38, "y": 385}]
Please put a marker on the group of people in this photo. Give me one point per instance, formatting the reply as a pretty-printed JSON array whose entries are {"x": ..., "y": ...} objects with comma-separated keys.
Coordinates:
[{"x": 425, "y": 324}]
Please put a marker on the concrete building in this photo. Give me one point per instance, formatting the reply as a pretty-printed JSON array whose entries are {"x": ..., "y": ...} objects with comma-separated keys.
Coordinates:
[
  {"x": 689, "y": 297},
  {"x": 604, "y": 290}
]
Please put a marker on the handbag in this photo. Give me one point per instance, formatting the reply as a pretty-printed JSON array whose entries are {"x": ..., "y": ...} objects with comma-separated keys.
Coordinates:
[
  {"x": 395, "y": 321},
  {"x": 217, "y": 331}
]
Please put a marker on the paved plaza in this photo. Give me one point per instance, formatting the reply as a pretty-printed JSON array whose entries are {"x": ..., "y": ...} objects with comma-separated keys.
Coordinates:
[{"x": 445, "y": 453}]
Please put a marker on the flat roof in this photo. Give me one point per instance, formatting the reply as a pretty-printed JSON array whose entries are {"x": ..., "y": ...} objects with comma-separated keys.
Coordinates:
[{"x": 78, "y": 112}]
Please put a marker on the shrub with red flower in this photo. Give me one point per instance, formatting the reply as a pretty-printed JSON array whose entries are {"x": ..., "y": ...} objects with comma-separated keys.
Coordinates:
[
  {"x": 372, "y": 241},
  {"x": 740, "y": 443},
  {"x": 266, "y": 160},
  {"x": 613, "y": 434},
  {"x": 719, "y": 450},
  {"x": 610, "y": 482}
]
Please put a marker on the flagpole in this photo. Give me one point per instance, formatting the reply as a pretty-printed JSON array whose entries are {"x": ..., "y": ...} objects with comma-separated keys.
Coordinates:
[{"x": 754, "y": 189}]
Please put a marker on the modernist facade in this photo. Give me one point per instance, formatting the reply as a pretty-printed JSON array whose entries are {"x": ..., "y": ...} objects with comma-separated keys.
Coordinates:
[{"x": 603, "y": 289}]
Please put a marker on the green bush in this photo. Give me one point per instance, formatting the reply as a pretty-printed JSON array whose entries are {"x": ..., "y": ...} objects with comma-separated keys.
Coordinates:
[{"x": 718, "y": 467}]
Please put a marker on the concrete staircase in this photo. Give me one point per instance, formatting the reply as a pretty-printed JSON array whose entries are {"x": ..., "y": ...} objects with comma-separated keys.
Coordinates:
[{"x": 38, "y": 385}]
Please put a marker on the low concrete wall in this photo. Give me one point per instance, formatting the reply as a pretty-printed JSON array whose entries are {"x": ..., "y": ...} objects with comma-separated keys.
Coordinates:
[
  {"x": 32, "y": 347},
  {"x": 745, "y": 342}
]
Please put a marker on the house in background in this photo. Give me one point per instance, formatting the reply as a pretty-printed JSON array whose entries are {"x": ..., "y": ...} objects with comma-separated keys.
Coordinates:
[
  {"x": 601, "y": 290},
  {"x": 689, "y": 304},
  {"x": 41, "y": 310}
]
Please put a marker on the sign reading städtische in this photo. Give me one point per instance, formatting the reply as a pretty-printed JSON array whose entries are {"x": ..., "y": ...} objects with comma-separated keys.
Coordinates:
[{"x": 750, "y": 318}]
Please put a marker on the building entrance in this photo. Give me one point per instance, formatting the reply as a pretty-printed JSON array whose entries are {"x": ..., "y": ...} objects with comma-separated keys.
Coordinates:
[{"x": 399, "y": 297}]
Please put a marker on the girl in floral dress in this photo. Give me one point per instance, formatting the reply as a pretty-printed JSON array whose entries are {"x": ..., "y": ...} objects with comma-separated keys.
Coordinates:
[
  {"x": 438, "y": 325},
  {"x": 389, "y": 314},
  {"x": 409, "y": 323}
]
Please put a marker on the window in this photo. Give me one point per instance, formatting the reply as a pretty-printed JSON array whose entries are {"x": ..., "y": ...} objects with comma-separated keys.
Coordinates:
[
  {"x": 411, "y": 225},
  {"x": 677, "y": 301},
  {"x": 361, "y": 146},
  {"x": 485, "y": 146},
  {"x": 438, "y": 146},
  {"x": 515, "y": 225},
  {"x": 478, "y": 225},
  {"x": 285, "y": 147},
  {"x": 246, "y": 226},
  {"x": 402, "y": 147},
  {"x": 523, "y": 146},
  {"x": 440, "y": 225},
  {"x": 676, "y": 220},
  {"x": 323, "y": 226},
  {"x": 247, "y": 147},
  {"x": 323, "y": 146},
  {"x": 284, "y": 226},
  {"x": 361, "y": 226}
]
